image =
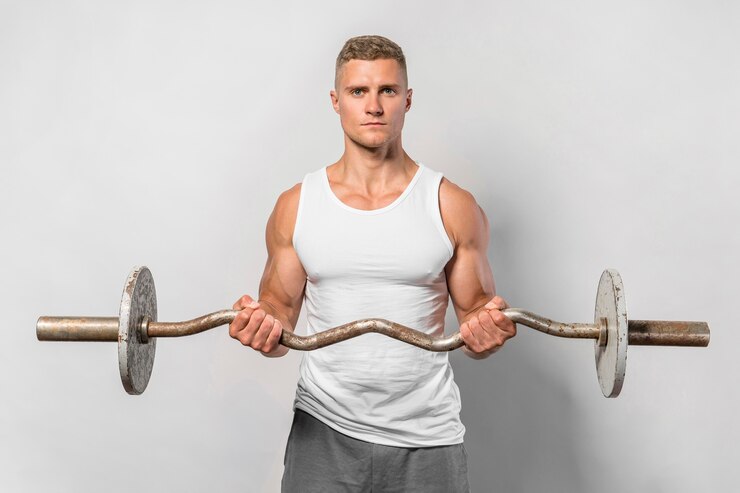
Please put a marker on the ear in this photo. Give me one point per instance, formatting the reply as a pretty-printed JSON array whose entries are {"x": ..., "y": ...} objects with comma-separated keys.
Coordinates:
[
  {"x": 409, "y": 93},
  {"x": 334, "y": 100}
]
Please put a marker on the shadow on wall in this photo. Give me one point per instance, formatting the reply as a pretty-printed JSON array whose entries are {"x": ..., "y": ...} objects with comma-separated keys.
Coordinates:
[{"x": 522, "y": 430}]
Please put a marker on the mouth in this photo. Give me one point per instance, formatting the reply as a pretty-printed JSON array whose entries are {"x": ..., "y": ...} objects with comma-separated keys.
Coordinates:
[{"x": 373, "y": 124}]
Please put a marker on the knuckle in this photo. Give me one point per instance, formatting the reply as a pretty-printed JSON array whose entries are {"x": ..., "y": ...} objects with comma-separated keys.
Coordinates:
[
  {"x": 277, "y": 330},
  {"x": 267, "y": 323},
  {"x": 464, "y": 331},
  {"x": 486, "y": 320},
  {"x": 257, "y": 317}
]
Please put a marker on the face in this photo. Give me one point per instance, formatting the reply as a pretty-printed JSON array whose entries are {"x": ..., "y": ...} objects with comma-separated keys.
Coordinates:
[{"x": 371, "y": 99}]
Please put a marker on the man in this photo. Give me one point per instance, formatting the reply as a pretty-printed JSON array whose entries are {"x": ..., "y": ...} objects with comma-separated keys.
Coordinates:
[{"x": 375, "y": 235}]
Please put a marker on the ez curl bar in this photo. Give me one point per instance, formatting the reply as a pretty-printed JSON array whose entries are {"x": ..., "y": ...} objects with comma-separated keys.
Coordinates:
[{"x": 136, "y": 329}]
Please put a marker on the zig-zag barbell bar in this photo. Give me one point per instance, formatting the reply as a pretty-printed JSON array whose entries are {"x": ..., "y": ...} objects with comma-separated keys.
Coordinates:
[{"x": 136, "y": 329}]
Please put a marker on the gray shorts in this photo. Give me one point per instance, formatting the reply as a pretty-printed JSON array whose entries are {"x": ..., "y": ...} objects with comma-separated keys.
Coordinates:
[{"x": 320, "y": 459}]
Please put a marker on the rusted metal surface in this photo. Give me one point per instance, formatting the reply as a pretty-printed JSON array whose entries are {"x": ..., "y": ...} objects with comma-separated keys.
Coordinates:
[
  {"x": 136, "y": 330},
  {"x": 372, "y": 325},
  {"x": 136, "y": 356},
  {"x": 91, "y": 329},
  {"x": 190, "y": 327},
  {"x": 551, "y": 327},
  {"x": 611, "y": 350},
  {"x": 641, "y": 332},
  {"x": 668, "y": 333}
]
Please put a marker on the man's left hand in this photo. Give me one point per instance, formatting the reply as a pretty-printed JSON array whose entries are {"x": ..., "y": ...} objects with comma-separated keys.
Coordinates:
[{"x": 487, "y": 329}]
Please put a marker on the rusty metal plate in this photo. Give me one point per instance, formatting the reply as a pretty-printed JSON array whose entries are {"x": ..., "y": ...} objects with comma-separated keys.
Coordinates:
[
  {"x": 135, "y": 357},
  {"x": 611, "y": 354}
]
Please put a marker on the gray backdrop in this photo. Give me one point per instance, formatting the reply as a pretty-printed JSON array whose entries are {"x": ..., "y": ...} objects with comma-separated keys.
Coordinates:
[{"x": 594, "y": 135}]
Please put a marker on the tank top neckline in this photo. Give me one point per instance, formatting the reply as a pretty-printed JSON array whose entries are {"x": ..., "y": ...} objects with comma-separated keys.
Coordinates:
[{"x": 399, "y": 199}]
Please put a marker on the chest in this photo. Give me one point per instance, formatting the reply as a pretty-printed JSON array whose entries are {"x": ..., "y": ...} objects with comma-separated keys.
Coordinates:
[{"x": 393, "y": 248}]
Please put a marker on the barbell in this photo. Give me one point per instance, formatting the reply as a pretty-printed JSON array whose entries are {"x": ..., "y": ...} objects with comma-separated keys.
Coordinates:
[{"x": 136, "y": 329}]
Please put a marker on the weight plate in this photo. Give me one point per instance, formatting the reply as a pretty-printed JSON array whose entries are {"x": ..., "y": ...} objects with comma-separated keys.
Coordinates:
[
  {"x": 136, "y": 358},
  {"x": 611, "y": 358}
]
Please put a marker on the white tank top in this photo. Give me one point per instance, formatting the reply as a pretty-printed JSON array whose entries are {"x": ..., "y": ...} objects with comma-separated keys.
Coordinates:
[{"x": 383, "y": 263}]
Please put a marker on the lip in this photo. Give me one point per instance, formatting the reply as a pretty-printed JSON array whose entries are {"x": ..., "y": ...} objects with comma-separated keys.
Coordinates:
[{"x": 373, "y": 124}]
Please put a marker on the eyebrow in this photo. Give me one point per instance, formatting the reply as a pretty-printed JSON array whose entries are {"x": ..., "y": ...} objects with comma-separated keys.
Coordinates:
[{"x": 395, "y": 87}]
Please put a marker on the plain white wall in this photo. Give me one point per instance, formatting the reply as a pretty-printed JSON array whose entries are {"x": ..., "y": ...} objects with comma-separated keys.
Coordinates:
[{"x": 594, "y": 135}]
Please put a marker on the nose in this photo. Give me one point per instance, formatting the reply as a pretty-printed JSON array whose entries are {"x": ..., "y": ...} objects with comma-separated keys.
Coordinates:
[{"x": 373, "y": 106}]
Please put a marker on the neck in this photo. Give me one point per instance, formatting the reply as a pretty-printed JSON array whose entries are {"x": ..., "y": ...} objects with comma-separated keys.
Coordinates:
[{"x": 372, "y": 166}]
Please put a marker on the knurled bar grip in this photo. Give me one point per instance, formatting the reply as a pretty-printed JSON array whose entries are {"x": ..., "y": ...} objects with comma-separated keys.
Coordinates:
[{"x": 640, "y": 332}]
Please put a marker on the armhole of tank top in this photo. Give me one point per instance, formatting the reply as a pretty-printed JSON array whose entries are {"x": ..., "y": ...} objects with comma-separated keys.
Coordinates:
[
  {"x": 438, "y": 214},
  {"x": 298, "y": 213}
]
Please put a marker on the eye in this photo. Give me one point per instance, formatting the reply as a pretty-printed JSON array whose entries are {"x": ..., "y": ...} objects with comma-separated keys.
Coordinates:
[
  {"x": 388, "y": 90},
  {"x": 356, "y": 92}
]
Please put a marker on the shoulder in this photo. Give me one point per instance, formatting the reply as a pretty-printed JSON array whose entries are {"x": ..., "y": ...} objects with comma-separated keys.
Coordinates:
[
  {"x": 282, "y": 220},
  {"x": 288, "y": 200},
  {"x": 462, "y": 217}
]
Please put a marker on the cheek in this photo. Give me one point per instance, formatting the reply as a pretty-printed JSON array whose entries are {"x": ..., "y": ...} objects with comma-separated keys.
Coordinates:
[
  {"x": 399, "y": 117},
  {"x": 348, "y": 112}
]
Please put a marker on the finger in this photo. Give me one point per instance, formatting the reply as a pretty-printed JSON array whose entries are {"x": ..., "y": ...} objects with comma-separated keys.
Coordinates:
[
  {"x": 263, "y": 332},
  {"x": 246, "y": 301},
  {"x": 242, "y": 302},
  {"x": 485, "y": 340},
  {"x": 471, "y": 341},
  {"x": 499, "y": 318},
  {"x": 274, "y": 338},
  {"x": 240, "y": 321},
  {"x": 486, "y": 321},
  {"x": 510, "y": 328},
  {"x": 247, "y": 335},
  {"x": 503, "y": 324}
]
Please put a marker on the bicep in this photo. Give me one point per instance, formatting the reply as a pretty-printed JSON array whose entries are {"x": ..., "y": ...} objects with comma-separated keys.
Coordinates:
[
  {"x": 469, "y": 277},
  {"x": 284, "y": 279}
]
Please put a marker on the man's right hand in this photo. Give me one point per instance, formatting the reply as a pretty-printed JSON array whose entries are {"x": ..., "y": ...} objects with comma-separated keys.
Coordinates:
[{"x": 254, "y": 327}]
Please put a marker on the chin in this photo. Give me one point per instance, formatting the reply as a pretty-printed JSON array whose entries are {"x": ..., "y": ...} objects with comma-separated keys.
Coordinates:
[{"x": 369, "y": 143}]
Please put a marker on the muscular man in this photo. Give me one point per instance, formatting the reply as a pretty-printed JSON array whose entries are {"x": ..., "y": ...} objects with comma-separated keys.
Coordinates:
[{"x": 375, "y": 234}]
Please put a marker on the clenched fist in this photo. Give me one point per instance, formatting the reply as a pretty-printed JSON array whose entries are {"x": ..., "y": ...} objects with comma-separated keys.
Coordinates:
[
  {"x": 254, "y": 327},
  {"x": 488, "y": 329}
]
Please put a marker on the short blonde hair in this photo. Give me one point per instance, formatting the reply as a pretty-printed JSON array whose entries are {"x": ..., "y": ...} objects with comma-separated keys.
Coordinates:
[{"x": 370, "y": 48}]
